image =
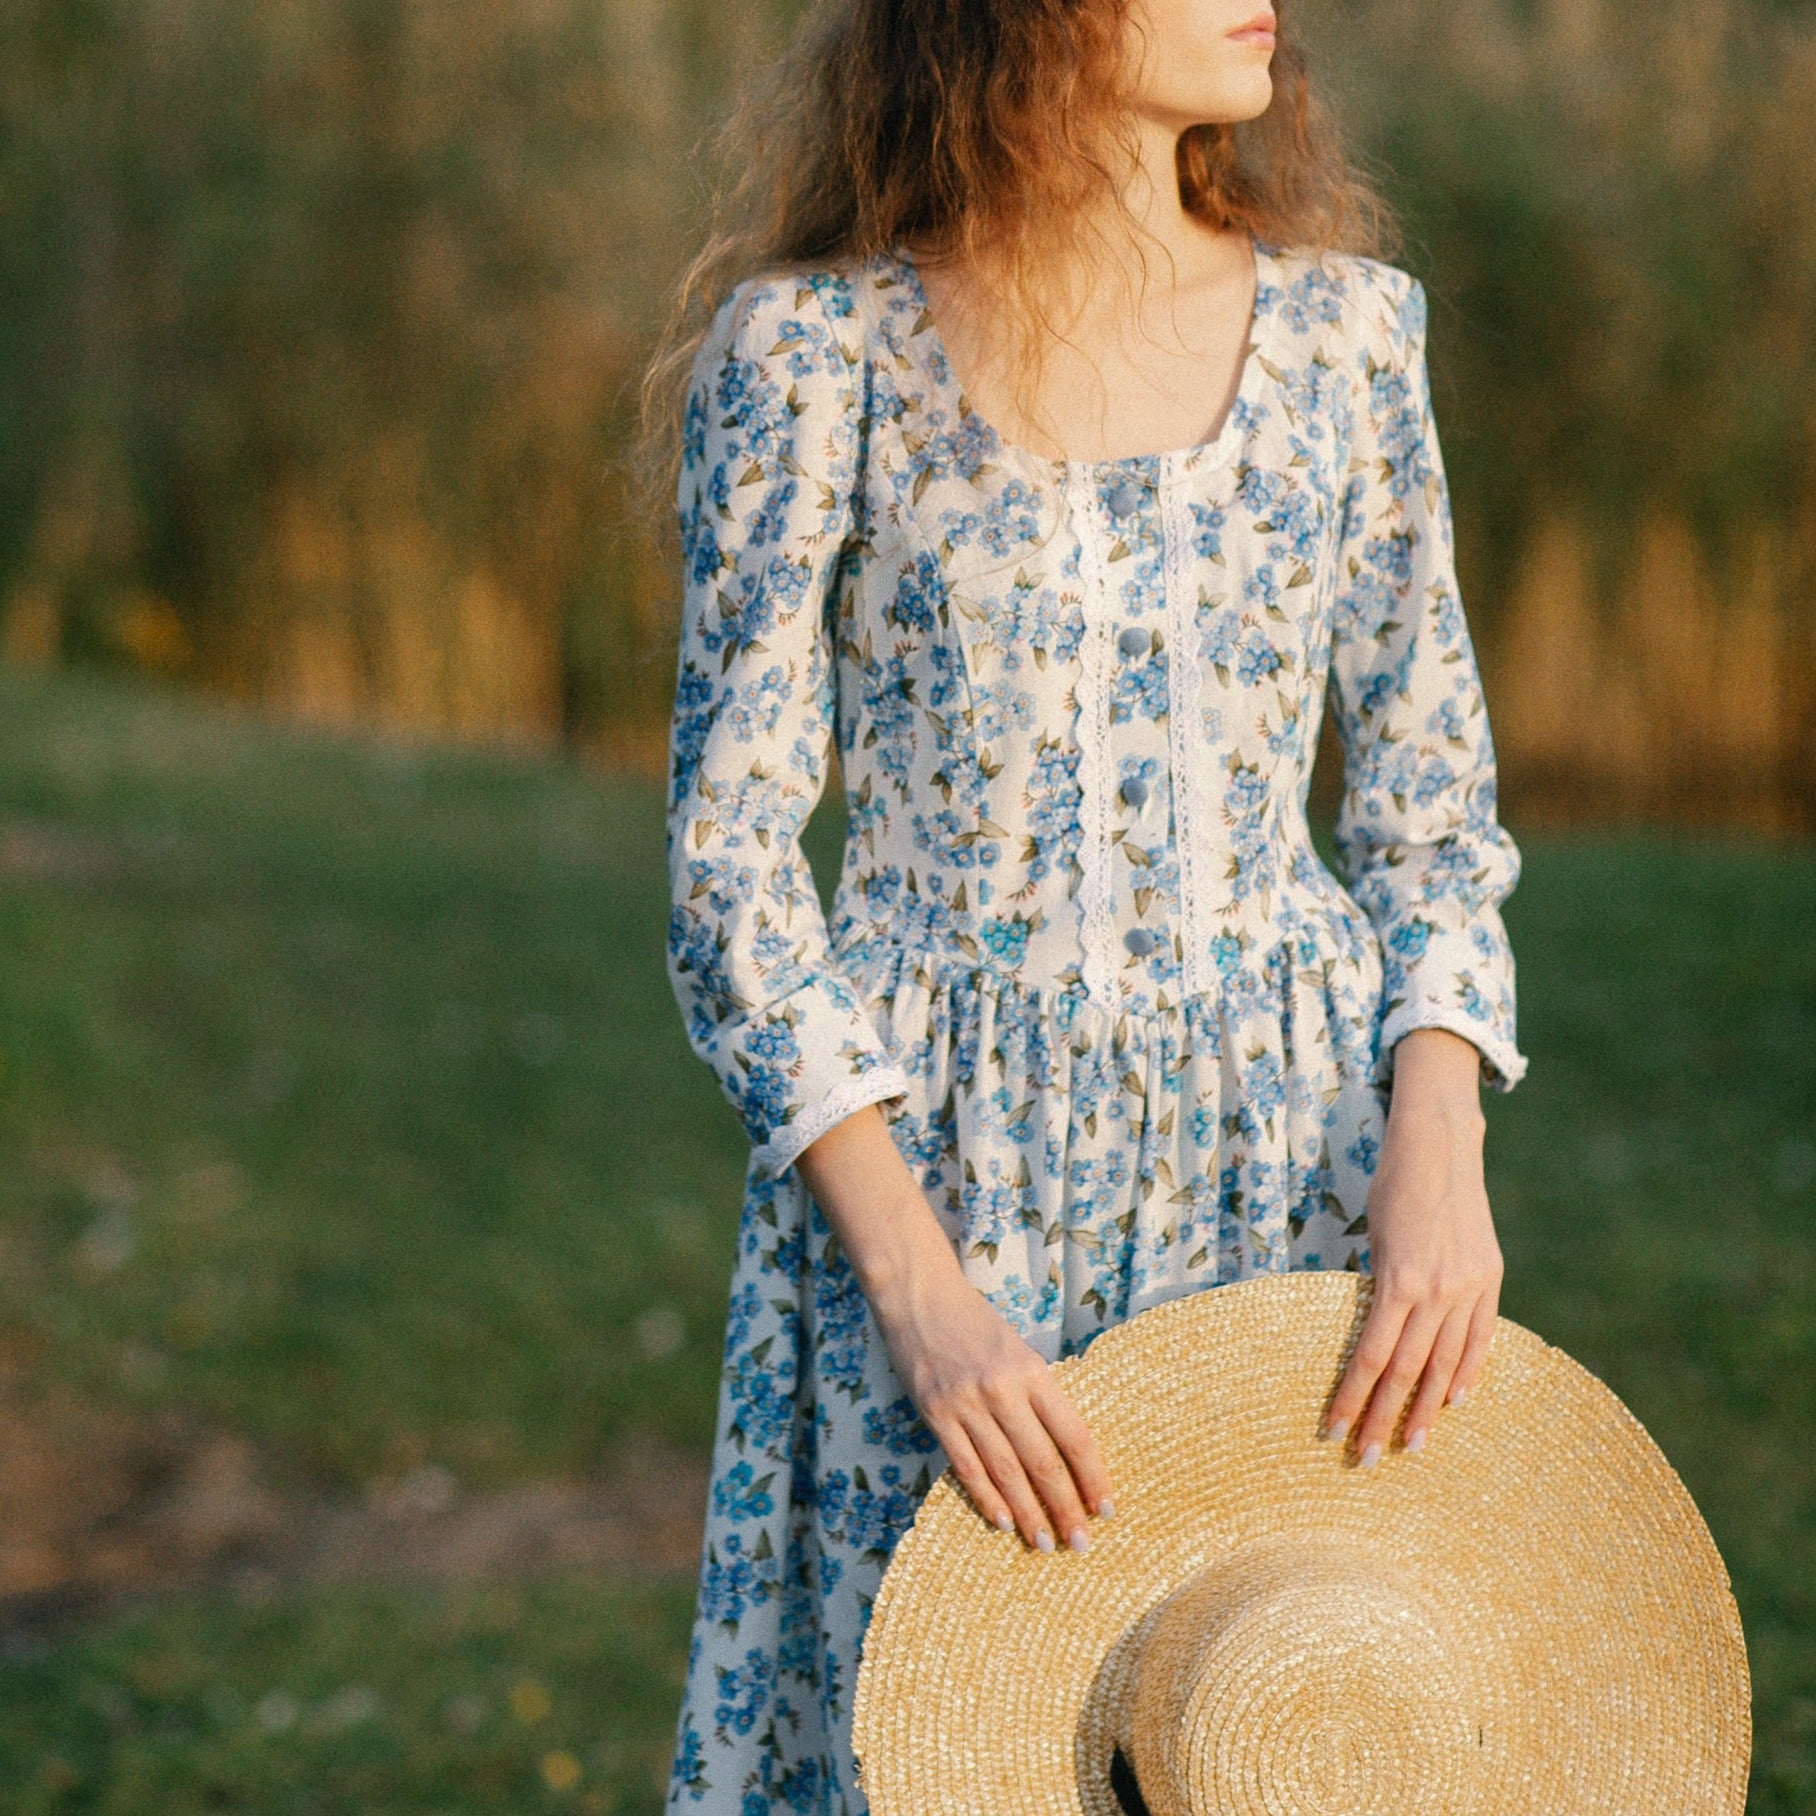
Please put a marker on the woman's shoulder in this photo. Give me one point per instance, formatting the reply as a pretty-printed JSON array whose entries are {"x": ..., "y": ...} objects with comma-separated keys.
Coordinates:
[
  {"x": 1376, "y": 306},
  {"x": 803, "y": 314}
]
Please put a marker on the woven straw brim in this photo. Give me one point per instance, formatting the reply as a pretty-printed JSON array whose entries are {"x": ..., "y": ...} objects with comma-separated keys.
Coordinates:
[{"x": 1579, "y": 1611}]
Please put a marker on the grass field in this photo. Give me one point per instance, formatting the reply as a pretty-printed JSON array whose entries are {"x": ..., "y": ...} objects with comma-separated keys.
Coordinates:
[{"x": 345, "y": 1111}]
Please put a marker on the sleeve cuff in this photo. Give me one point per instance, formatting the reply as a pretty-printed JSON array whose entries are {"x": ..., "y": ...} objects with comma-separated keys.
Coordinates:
[
  {"x": 788, "y": 1143},
  {"x": 1503, "y": 1065},
  {"x": 793, "y": 1066}
]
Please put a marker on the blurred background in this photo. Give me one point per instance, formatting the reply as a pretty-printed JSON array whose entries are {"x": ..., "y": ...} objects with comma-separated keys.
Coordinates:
[{"x": 364, "y": 1221}]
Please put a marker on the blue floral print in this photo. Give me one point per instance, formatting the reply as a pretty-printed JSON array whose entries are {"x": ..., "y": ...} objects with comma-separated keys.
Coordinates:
[{"x": 1131, "y": 1035}]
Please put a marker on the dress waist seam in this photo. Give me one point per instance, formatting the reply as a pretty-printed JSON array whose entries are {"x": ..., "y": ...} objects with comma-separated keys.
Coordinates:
[{"x": 875, "y": 962}]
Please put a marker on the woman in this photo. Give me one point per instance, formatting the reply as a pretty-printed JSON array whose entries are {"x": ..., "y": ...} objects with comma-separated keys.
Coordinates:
[{"x": 1054, "y": 446}]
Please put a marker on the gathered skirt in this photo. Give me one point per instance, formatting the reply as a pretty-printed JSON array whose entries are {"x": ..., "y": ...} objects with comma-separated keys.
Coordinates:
[{"x": 1086, "y": 1163}]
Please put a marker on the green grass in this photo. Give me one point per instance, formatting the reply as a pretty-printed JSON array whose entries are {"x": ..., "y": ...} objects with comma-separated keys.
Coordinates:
[
  {"x": 344, "y": 1104},
  {"x": 1655, "y": 1183},
  {"x": 363, "y": 1069},
  {"x": 368, "y": 1702}
]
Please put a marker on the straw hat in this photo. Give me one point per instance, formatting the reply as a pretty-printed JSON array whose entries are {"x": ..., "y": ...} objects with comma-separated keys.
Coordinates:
[{"x": 1529, "y": 1618}]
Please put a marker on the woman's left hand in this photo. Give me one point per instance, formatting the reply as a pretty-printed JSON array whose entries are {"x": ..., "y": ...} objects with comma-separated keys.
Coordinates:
[{"x": 1436, "y": 1263}]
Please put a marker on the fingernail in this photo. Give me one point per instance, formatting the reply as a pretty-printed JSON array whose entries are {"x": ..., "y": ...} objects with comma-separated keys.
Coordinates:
[
  {"x": 1415, "y": 1440},
  {"x": 1106, "y": 1508},
  {"x": 1337, "y": 1430},
  {"x": 1005, "y": 1522},
  {"x": 1457, "y": 1395},
  {"x": 1079, "y": 1541},
  {"x": 1043, "y": 1539},
  {"x": 1371, "y": 1455}
]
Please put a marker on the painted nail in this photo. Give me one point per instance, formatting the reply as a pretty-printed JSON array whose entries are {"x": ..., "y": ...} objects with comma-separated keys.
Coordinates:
[
  {"x": 1043, "y": 1539},
  {"x": 1106, "y": 1508},
  {"x": 1080, "y": 1540},
  {"x": 1337, "y": 1431},
  {"x": 1005, "y": 1522},
  {"x": 1371, "y": 1455},
  {"x": 1457, "y": 1395},
  {"x": 1415, "y": 1440}
]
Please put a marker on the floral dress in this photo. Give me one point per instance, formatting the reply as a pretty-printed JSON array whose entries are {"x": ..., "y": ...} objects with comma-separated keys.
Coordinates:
[{"x": 1130, "y": 1033}]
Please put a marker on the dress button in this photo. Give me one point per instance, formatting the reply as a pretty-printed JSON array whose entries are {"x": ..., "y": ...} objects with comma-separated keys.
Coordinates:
[
  {"x": 1135, "y": 791},
  {"x": 1133, "y": 642},
  {"x": 1124, "y": 497},
  {"x": 1140, "y": 941}
]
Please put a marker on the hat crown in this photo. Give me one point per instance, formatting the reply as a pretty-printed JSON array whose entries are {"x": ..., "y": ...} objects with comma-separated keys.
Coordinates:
[
  {"x": 1545, "y": 1557},
  {"x": 1301, "y": 1674}
]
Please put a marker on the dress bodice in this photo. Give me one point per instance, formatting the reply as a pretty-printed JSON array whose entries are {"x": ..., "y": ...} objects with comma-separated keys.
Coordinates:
[{"x": 1076, "y": 704}]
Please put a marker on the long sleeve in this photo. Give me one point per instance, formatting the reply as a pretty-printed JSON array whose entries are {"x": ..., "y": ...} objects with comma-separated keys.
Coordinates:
[
  {"x": 1417, "y": 830},
  {"x": 769, "y": 462}
]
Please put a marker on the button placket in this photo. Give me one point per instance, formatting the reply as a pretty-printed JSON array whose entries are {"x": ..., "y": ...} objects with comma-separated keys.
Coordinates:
[
  {"x": 1102, "y": 510},
  {"x": 1135, "y": 643},
  {"x": 1095, "y": 774},
  {"x": 1125, "y": 497},
  {"x": 1184, "y": 725}
]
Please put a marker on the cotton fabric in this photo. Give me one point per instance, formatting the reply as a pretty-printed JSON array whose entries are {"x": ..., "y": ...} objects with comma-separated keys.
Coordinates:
[{"x": 1131, "y": 1034}]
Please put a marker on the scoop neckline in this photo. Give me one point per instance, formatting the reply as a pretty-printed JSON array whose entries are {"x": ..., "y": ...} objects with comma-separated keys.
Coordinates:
[{"x": 1208, "y": 454}]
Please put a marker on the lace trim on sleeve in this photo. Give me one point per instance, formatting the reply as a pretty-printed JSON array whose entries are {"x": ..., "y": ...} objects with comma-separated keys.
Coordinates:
[
  {"x": 1502, "y": 1064},
  {"x": 792, "y": 1140},
  {"x": 1096, "y": 908}
]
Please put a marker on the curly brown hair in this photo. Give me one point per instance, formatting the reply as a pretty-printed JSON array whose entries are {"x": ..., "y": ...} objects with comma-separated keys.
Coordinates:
[{"x": 976, "y": 130}]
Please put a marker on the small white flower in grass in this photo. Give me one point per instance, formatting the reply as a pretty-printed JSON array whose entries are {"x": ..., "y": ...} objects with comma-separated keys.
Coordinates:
[
  {"x": 429, "y": 1489},
  {"x": 425, "y": 1491},
  {"x": 660, "y": 1332},
  {"x": 276, "y": 1713},
  {"x": 349, "y": 1707},
  {"x": 112, "y": 1188},
  {"x": 110, "y": 1242},
  {"x": 465, "y": 1714}
]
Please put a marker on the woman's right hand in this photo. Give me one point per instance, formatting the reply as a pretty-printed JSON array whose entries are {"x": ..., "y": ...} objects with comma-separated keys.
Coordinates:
[
  {"x": 1014, "y": 1439},
  {"x": 1010, "y": 1431}
]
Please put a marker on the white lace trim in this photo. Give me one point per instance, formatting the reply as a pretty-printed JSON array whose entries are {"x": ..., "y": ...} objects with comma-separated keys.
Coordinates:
[
  {"x": 1502, "y": 1064},
  {"x": 793, "y": 1139},
  {"x": 1185, "y": 743},
  {"x": 1096, "y": 906}
]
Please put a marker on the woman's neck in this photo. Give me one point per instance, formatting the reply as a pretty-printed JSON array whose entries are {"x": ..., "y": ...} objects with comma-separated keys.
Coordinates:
[
  {"x": 1142, "y": 255},
  {"x": 1146, "y": 312}
]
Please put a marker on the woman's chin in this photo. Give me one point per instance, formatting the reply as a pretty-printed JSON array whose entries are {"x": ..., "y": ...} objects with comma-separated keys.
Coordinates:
[{"x": 1237, "y": 97}]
